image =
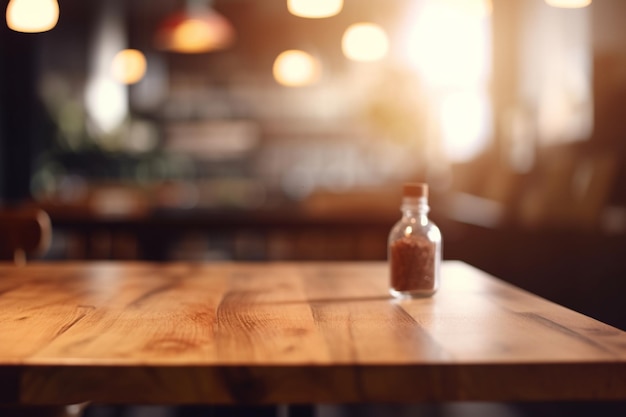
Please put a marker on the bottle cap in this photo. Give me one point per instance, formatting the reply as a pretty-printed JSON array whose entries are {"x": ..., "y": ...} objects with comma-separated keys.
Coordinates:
[{"x": 416, "y": 190}]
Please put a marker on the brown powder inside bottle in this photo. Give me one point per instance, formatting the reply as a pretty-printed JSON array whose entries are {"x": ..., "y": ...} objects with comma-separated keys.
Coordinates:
[{"x": 412, "y": 260}]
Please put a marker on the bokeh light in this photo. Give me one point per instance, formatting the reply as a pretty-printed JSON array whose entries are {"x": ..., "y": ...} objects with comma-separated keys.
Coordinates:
[
  {"x": 314, "y": 9},
  {"x": 129, "y": 66},
  {"x": 32, "y": 16},
  {"x": 294, "y": 68},
  {"x": 365, "y": 42}
]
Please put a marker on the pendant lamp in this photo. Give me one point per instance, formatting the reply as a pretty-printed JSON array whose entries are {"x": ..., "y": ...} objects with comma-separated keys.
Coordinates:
[{"x": 198, "y": 28}]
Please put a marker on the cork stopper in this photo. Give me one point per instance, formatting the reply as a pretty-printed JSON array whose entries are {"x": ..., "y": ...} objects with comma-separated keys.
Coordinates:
[{"x": 415, "y": 190}]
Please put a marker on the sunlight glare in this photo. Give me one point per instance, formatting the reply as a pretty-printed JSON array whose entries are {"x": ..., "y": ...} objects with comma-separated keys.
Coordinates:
[
  {"x": 464, "y": 121},
  {"x": 448, "y": 45}
]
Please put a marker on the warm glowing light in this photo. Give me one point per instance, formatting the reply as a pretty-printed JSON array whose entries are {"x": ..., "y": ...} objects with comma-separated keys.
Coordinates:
[
  {"x": 477, "y": 8},
  {"x": 465, "y": 123},
  {"x": 193, "y": 35},
  {"x": 106, "y": 99},
  {"x": 129, "y": 66},
  {"x": 314, "y": 9},
  {"x": 569, "y": 4},
  {"x": 295, "y": 68},
  {"x": 449, "y": 46},
  {"x": 107, "y": 103},
  {"x": 196, "y": 33},
  {"x": 365, "y": 42},
  {"x": 32, "y": 16}
]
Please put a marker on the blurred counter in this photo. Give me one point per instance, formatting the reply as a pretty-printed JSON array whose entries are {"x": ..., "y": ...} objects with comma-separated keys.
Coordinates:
[{"x": 316, "y": 231}]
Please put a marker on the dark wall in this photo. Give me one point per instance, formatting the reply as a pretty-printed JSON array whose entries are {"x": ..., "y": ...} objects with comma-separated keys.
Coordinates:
[{"x": 18, "y": 113}]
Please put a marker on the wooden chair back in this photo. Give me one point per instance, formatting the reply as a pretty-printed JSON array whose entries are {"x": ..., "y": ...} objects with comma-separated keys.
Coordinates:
[{"x": 23, "y": 232}]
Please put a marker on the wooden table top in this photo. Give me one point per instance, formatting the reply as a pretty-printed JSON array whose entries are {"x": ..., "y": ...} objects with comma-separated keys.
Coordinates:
[{"x": 289, "y": 333}]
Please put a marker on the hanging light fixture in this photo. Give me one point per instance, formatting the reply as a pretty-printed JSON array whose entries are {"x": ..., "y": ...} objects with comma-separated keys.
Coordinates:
[
  {"x": 314, "y": 9},
  {"x": 31, "y": 16},
  {"x": 569, "y": 4},
  {"x": 196, "y": 29}
]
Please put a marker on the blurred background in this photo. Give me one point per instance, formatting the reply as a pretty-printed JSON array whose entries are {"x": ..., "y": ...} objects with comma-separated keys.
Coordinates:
[{"x": 273, "y": 130}]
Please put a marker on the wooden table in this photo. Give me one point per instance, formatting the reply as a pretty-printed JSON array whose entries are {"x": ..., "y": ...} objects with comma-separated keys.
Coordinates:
[{"x": 289, "y": 333}]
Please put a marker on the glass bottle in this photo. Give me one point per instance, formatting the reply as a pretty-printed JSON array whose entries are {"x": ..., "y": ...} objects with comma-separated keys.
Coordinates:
[{"x": 414, "y": 247}]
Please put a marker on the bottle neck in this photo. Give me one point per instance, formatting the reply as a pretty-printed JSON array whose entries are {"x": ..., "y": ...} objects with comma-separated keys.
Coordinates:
[{"x": 415, "y": 207}]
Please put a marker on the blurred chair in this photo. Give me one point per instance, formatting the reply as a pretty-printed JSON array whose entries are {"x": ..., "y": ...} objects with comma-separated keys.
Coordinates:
[
  {"x": 23, "y": 232},
  {"x": 27, "y": 231}
]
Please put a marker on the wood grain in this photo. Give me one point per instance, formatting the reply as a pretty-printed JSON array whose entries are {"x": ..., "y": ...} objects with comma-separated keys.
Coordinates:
[{"x": 289, "y": 333}]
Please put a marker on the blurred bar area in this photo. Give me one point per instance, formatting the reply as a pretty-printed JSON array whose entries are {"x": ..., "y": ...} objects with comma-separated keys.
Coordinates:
[{"x": 251, "y": 130}]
